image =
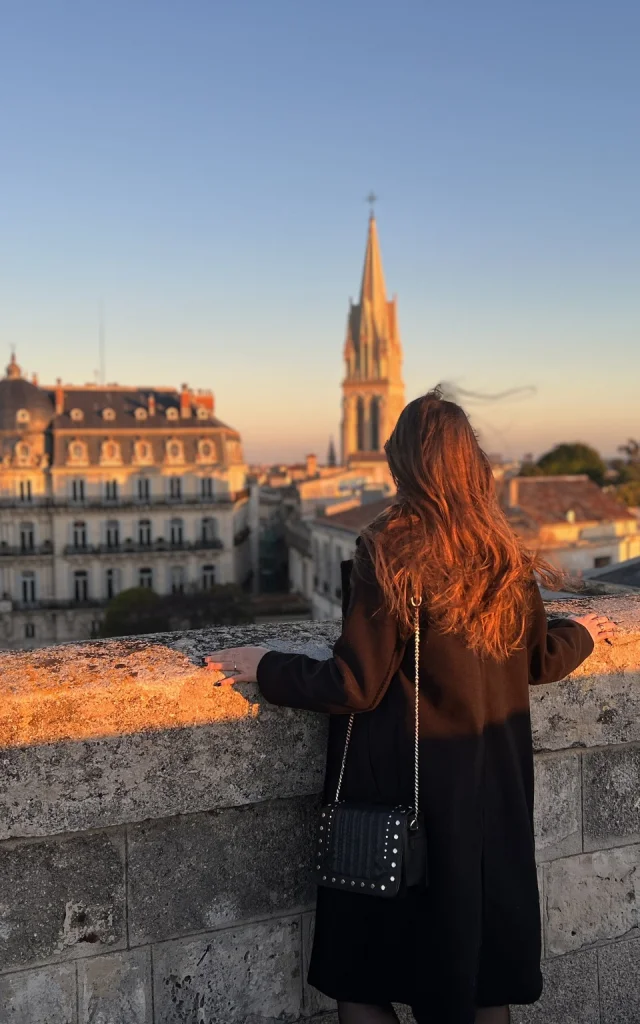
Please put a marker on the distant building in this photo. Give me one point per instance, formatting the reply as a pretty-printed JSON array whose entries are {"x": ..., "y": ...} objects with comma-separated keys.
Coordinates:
[
  {"x": 106, "y": 488},
  {"x": 572, "y": 521}
]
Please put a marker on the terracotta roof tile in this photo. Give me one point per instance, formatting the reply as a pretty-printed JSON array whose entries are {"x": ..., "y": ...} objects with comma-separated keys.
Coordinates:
[
  {"x": 552, "y": 499},
  {"x": 355, "y": 519}
]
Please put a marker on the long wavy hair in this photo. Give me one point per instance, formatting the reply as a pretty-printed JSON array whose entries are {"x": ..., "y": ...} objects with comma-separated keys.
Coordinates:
[{"x": 446, "y": 539}]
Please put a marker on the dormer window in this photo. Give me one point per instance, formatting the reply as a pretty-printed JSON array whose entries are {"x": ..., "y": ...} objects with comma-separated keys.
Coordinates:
[
  {"x": 22, "y": 417},
  {"x": 172, "y": 413},
  {"x": 110, "y": 452},
  {"x": 142, "y": 451},
  {"x": 77, "y": 415},
  {"x": 206, "y": 451},
  {"x": 77, "y": 453},
  {"x": 175, "y": 451},
  {"x": 203, "y": 414},
  {"x": 140, "y": 413},
  {"x": 108, "y": 413},
  {"x": 571, "y": 516},
  {"x": 23, "y": 454}
]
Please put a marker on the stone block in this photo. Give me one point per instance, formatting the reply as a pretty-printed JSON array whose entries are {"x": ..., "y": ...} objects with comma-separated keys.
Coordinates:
[
  {"x": 558, "y": 806},
  {"x": 43, "y": 996},
  {"x": 116, "y": 988},
  {"x": 61, "y": 899},
  {"x": 314, "y": 1002},
  {"x": 590, "y": 709},
  {"x": 252, "y": 972},
  {"x": 204, "y": 871},
  {"x": 591, "y": 898},
  {"x": 570, "y": 993},
  {"x": 619, "y": 972},
  {"x": 611, "y": 797},
  {"x": 253, "y": 752}
]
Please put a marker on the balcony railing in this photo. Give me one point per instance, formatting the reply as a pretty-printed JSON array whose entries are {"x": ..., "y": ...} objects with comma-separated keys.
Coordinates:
[
  {"x": 54, "y": 605},
  {"x": 129, "y": 547},
  {"x": 128, "y": 502},
  {"x": 12, "y": 550}
]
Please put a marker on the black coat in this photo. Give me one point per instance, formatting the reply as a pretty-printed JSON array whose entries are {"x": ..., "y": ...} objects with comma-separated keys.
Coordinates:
[{"x": 472, "y": 938}]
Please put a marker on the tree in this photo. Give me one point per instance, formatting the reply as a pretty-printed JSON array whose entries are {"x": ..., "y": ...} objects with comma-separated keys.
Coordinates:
[
  {"x": 139, "y": 610},
  {"x": 573, "y": 460},
  {"x": 135, "y": 611},
  {"x": 631, "y": 449}
]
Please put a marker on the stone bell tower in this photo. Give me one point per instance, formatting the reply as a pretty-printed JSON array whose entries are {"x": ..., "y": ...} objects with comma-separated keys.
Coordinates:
[{"x": 373, "y": 389}]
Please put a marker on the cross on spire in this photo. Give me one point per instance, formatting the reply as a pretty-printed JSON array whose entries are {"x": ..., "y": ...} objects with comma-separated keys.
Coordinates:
[{"x": 372, "y": 199}]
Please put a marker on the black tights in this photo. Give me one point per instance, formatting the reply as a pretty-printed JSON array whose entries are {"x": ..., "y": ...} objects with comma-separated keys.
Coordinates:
[{"x": 365, "y": 1013}]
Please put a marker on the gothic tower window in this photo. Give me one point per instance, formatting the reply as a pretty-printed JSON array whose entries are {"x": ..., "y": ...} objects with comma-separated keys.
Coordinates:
[
  {"x": 374, "y": 417},
  {"x": 361, "y": 424}
]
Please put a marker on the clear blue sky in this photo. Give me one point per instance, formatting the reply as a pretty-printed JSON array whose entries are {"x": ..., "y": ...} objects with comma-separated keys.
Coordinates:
[{"x": 201, "y": 167}]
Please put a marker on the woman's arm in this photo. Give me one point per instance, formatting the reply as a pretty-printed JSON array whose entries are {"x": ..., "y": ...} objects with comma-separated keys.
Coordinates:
[
  {"x": 557, "y": 646},
  {"x": 365, "y": 659}
]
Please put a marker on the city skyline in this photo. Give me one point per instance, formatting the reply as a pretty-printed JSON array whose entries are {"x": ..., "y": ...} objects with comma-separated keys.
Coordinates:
[{"x": 166, "y": 168}]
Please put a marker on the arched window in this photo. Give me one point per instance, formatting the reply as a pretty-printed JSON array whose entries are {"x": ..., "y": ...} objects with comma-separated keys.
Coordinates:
[
  {"x": 77, "y": 451},
  {"x": 176, "y": 531},
  {"x": 111, "y": 583},
  {"x": 206, "y": 450},
  {"x": 175, "y": 451},
  {"x": 27, "y": 536},
  {"x": 143, "y": 451},
  {"x": 112, "y": 533},
  {"x": 110, "y": 451},
  {"x": 209, "y": 530},
  {"x": 208, "y": 577},
  {"x": 144, "y": 532},
  {"x": 79, "y": 534},
  {"x": 360, "y": 424},
  {"x": 81, "y": 586},
  {"x": 28, "y": 581},
  {"x": 375, "y": 424},
  {"x": 177, "y": 578}
]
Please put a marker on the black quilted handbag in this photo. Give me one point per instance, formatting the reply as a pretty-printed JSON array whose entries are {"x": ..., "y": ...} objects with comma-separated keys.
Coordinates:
[{"x": 369, "y": 849}]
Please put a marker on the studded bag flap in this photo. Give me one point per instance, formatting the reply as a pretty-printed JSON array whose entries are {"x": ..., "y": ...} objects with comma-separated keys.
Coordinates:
[{"x": 371, "y": 849}]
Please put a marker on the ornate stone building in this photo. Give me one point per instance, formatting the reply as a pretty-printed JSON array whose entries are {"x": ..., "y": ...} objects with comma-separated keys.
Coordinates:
[
  {"x": 106, "y": 488},
  {"x": 373, "y": 389}
]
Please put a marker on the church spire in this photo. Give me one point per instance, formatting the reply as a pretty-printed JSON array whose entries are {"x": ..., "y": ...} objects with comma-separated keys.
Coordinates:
[{"x": 373, "y": 292}]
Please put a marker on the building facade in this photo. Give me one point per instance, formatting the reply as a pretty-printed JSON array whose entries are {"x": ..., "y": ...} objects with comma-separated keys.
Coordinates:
[
  {"x": 373, "y": 388},
  {"x": 107, "y": 488}
]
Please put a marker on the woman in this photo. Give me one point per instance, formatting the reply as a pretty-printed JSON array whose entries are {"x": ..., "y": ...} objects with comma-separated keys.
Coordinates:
[{"x": 468, "y": 945}]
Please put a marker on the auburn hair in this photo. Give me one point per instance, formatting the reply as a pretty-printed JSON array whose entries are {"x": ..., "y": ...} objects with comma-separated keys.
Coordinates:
[{"x": 446, "y": 539}]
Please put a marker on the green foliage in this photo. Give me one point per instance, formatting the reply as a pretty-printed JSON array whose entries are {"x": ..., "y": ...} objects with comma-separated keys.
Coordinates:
[
  {"x": 629, "y": 493},
  {"x": 573, "y": 460},
  {"x": 139, "y": 610}
]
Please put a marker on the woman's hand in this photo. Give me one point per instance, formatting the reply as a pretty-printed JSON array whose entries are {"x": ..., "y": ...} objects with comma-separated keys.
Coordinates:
[
  {"x": 600, "y": 627},
  {"x": 240, "y": 664}
]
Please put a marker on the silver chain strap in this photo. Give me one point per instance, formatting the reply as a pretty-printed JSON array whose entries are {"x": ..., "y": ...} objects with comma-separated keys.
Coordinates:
[{"x": 415, "y": 602}]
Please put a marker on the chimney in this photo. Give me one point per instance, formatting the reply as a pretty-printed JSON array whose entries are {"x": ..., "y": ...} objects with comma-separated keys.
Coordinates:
[
  {"x": 312, "y": 465},
  {"x": 185, "y": 402},
  {"x": 59, "y": 396},
  {"x": 151, "y": 405},
  {"x": 34, "y": 379},
  {"x": 513, "y": 492}
]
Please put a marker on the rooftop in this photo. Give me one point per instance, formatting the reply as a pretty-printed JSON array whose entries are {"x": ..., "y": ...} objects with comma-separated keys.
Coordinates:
[{"x": 545, "y": 500}]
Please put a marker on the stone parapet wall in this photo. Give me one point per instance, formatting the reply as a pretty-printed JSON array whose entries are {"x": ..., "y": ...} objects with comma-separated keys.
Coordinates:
[{"x": 155, "y": 835}]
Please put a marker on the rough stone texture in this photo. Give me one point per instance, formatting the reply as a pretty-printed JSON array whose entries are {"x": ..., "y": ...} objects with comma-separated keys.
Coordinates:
[
  {"x": 570, "y": 993},
  {"x": 116, "y": 988},
  {"x": 611, "y": 797},
  {"x": 262, "y": 753},
  {"x": 61, "y": 899},
  {"x": 619, "y": 971},
  {"x": 591, "y": 898},
  {"x": 191, "y": 874},
  {"x": 558, "y": 806},
  {"x": 241, "y": 974},
  {"x": 313, "y": 1001},
  {"x": 44, "y": 996}
]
